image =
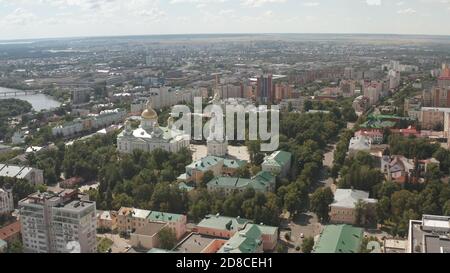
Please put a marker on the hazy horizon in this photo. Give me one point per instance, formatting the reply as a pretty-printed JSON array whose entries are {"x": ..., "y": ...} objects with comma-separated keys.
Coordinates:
[{"x": 30, "y": 19}]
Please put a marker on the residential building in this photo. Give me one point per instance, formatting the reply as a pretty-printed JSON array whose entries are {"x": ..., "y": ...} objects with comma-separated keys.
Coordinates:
[
  {"x": 361, "y": 104},
  {"x": 374, "y": 135},
  {"x": 432, "y": 117},
  {"x": 227, "y": 91},
  {"x": 359, "y": 144},
  {"x": 278, "y": 163},
  {"x": 261, "y": 237},
  {"x": 264, "y": 89},
  {"x": 408, "y": 132},
  {"x": 372, "y": 91},
  {"x": 92, "y": 121},
  {"x": 394, "y": 79},
  {"x": 32, "y": 175},
  {"x": 52, "y": 220},
  {"x": 11, "y": 232},
  {"x": 444, "y": 78},
  {"x": 167, "y": 97},
  {"x": 150, "y": 136},
  {"x": 218, "y": 165},
  {"x": 339, "y": 239},
  {"x": 262, "y": 182},
  {"x": 295, "y": 104},
  {"x": 413, "y": 107},
  {"x": 342, "y": 210},
  {"x": 347, "y": 88},
  {"x": 6, "y": 201},
  {"x": 401, "y": 169},
  {"x": 147, "y": 236},
  {"x": 106, "y": 219},
  {"x": 81, "y": 95},
  {"x": 283, "y": 91},
  {"x": 429, "y": 235},
  {"x": 131, "y": 219}
]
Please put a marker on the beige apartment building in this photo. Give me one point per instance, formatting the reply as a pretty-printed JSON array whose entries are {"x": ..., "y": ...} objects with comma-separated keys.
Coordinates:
[{"x": 342, "y": 210}]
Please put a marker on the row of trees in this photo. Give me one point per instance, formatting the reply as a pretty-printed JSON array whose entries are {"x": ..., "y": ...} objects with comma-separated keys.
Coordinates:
[{"x": 10, "y": 108}]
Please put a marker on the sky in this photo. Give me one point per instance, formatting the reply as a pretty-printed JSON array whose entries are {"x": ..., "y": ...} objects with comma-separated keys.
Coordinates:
[{"x": 25, "y": 19}]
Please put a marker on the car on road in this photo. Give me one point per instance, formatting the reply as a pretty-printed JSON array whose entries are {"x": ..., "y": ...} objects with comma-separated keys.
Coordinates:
[{"x": 302, "y": 235}]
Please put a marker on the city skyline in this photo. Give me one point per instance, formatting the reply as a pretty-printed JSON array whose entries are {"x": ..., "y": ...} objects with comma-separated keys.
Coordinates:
[{"x": 26, "y": 19}]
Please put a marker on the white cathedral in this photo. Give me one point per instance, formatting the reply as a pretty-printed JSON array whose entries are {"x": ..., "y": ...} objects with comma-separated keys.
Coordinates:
[{"x": 150, "y": 136}]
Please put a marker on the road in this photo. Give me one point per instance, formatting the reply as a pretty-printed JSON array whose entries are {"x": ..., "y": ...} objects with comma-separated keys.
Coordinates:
[{"x": 326, "y": 180}]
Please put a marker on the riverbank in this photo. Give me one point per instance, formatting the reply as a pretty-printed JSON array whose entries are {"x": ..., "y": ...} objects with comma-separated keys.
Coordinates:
[{"x": 38, "y": 101}]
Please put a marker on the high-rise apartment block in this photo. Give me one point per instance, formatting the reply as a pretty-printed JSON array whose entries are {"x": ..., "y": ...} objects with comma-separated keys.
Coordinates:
[
  {"x": 81, "y": 95},
  {"x": 58, "y": 222},
  {"x": 6, "y": 201},
  {"x": 264, "y": 90}
]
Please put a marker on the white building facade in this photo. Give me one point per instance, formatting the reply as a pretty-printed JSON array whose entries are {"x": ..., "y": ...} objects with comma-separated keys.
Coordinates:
[
  {"x": 150, "y": 136},
  {"x": 58, "y": 223}
]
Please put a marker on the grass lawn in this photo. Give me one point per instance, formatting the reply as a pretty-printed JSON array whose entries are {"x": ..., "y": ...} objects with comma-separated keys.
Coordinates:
[{"x": 103, "y": 244}]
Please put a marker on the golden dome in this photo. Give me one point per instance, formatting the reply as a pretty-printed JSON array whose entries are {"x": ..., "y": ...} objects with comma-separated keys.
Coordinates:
[{"x": 149, "y": 113}]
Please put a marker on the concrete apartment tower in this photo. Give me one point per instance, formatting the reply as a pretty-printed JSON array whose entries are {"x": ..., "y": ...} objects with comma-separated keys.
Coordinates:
[{"x": 56, "y": 222}]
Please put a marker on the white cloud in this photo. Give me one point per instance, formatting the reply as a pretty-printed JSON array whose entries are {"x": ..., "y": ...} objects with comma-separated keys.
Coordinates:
[
  {"x": 311, "y": 4},
  {"x": 407, "y": 11},
  {"x": 259, "y": 3},
  {"x": 373, "y": 2}
]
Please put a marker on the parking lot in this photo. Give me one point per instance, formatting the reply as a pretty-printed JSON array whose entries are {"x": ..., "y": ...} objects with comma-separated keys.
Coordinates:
[{"x": 306, "y": 224}]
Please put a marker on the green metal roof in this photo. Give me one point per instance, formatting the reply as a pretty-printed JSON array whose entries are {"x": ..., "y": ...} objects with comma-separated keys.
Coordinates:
[
  {"x": 279, "y": 158},
  {"x": 245, "y": 241},
  {"x": 238, "y": 183},
  {"x": 223, "y": 222},
  {"x": 234, "y": 163},
  {"x": 265, "y": 176},
  {"x": 186, "y": 187},
  {"x": 205, "y": 163},
  {"x": 339, "y": 239},
  {"x": 163, "y": 216}
]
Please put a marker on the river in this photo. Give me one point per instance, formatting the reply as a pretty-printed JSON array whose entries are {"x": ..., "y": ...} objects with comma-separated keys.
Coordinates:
[{"x": 38, "y": 101}]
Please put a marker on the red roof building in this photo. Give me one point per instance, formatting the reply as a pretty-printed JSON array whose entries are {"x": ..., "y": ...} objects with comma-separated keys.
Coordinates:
[{"x": 10, "y": 232}]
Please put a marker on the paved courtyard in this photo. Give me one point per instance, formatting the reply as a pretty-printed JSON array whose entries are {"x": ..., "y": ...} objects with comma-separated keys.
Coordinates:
[
  {"x": 238, "y": 152},
  {"x": 306, "y": 224},
  {"x": 120, "y": 245}
]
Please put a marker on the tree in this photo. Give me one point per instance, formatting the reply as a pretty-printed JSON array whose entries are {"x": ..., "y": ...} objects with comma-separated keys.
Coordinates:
[
  {"x": 121, "y": 200},
  {"x": 320, "y": 202},
  {"x": 308, "y": 245},
  {"x": 365, "y": 214},
  {"x": 243, "y": 172},
  {"x": 308, "y": 105},
  {"x": 15, "y": 247},
  {"x": 207, "y": 177},
  {"x": 167, "y": 238}
]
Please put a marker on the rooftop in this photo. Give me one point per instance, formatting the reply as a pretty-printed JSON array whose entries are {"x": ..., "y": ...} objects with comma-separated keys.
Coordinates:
[
  {"x": 280, "y": 158},
  {"x": 223, "y": 222},
  {"x": 348, "y": 198},
  {"x": 245, "y": 241},
  {"x": 194, "y": 243},
  {"x": 431, "y": 235},
  {"x": 9, "y": 230},
  {"x": 339, "y": 239}
]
